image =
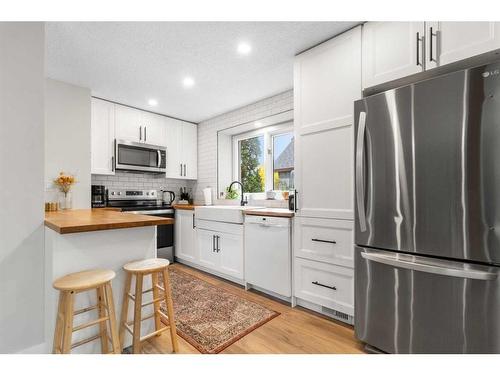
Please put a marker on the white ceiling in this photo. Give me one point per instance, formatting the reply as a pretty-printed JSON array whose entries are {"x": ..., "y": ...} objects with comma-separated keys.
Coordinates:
[{"x": 132, "y": 62}]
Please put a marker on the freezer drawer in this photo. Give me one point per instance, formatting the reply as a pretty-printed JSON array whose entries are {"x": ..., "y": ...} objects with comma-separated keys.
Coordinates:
[{"x": 414, "y": 304}]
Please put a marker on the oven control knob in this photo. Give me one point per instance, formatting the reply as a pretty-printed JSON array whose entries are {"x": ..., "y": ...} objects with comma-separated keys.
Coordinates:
[
  {"x": 112, "y": 193},
  {"x": 119, "y": 193},
  {"x": 147, "y": 193}
]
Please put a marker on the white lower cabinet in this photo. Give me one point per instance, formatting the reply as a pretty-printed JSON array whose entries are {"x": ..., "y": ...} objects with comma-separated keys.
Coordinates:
[
  {"x": 324, "y": 265},
  {"x": 185, "y": 236},
  {"x": 325, "y": 240},
  {"x": 325, "y": 284},
  {"x": 206, "y": 244},
  {"x": 230, "y": 251},
  {"x": 220, "y": 248}
]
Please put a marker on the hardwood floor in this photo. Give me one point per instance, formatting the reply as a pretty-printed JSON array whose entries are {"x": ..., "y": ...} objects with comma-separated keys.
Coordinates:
[{"x": 294, "y": 331}]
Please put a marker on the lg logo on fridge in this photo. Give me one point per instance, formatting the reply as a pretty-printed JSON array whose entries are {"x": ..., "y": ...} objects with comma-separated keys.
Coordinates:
[{"x": 491, "y": 73}]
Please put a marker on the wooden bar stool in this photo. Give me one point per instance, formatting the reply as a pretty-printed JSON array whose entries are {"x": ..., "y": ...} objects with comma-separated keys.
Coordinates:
[
  {"x": 79, "y": 282},
  {"x": 154, "y": 267}
]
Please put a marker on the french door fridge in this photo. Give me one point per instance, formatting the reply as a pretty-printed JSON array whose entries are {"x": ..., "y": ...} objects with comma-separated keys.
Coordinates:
[{"x": 427, "y": 215}]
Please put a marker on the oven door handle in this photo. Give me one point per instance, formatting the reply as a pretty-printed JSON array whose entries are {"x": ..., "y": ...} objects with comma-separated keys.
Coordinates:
[{"x": 394, "y": 260}]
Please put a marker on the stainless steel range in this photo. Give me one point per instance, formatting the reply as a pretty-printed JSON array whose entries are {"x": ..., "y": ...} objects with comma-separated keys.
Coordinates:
[{"x": 147, "y": 202}]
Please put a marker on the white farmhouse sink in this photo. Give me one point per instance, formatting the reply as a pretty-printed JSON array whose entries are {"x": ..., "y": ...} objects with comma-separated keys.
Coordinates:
[{"x": 225, "y": 214}]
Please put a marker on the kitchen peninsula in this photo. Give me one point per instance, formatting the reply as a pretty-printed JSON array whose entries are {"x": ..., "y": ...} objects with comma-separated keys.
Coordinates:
[{"x": 77, "y": 240}]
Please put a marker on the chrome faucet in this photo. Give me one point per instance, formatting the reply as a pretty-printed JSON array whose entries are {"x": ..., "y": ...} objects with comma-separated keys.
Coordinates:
[{"x": 243, "y": 200}]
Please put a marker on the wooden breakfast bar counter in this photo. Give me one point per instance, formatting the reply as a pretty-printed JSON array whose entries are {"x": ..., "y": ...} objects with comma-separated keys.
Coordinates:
[{"x": 78, "y": 240}]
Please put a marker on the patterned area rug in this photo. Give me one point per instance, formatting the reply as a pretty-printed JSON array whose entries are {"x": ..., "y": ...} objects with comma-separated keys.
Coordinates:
[{"x": 210, "y": 318}]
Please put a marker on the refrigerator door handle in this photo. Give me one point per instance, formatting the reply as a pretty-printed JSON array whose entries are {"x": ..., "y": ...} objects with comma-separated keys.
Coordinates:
[
  {"x": 360, "y": 183},
  {"x": 394, "y": 260}
]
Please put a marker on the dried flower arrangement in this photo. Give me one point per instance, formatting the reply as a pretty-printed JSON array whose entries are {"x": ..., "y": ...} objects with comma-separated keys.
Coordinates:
[{"x": 64, "y": 182}]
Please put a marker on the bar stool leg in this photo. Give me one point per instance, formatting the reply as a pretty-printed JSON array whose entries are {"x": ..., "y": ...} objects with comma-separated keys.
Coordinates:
[
  {"x": 112, "y": 319},
  {"x": 101, "y": 303},
  {"x": 137, "y": 314},
  {"x": 156, "y": 294},
  {"x": 68, "y": 321},
  {"x": 124, "y": 315},
  {"x": 170, "y": 310},
  {"x": 56, "y": 346}
]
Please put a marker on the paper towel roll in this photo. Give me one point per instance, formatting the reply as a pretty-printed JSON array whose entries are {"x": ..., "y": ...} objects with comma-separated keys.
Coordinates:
[{"x": 207, "y": 194}]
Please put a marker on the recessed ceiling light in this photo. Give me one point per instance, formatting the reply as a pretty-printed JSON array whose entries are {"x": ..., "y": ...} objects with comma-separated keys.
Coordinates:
[
  {"x": 244, "y": 48},
  {"x": 153, "y": 102},
  {"x": 188, "y": 82}
]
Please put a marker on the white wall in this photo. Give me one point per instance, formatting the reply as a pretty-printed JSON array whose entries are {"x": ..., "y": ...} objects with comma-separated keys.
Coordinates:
[
  {"x": 67, "y": 138},
  {"x": 207, "y": 135},
  {"x": 21, "y": 185}
]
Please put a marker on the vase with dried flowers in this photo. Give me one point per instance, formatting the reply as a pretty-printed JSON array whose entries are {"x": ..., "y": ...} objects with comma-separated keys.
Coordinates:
[{"x": 64, "y": 182}]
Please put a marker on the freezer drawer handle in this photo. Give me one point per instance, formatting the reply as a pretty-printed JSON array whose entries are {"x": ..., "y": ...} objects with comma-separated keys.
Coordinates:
[
  {"x": 429, "y": 268},
  {"x": 325, "y": 241},
  {"x": 360, "y": 183},
  {"x": 324, "y": 286}
]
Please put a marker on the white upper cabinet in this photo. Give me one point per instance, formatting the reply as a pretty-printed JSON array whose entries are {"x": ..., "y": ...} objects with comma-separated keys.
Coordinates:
[
  {"x": 392, "y": 50},
  {"x": 182, "y": 149},
  {"x": 190, "y": 150},
  {"x": 453, "y": 41},
  {"x": 153, "y": 129},
  {"x": 139, "y": 126},
  {"x": 102, "y": 136},
  {"x": 128, "y": 123},
  {"x": 327, "y": 80},
  {"x": 173, "y": 134}
]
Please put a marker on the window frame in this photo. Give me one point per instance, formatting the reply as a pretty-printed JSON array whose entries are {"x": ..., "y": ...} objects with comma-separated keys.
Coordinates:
[{"x": 269, "y": 132}]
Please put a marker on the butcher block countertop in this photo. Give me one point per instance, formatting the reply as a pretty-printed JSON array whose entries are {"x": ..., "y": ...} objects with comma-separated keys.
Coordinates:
[
  {"x": 184, "y": 206},
  {"x": 88, "y": 220},
  {"x": 276, "y": 212}
]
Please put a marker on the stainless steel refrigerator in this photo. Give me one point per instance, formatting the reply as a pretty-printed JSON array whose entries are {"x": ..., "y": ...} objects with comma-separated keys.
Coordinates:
[{"x": 427, "y": 215}]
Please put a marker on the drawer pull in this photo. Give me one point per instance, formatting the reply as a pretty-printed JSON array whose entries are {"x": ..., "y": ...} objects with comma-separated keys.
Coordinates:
[
  {"x": 323, "y": 285},
  {"x": 325, "y": 241}
]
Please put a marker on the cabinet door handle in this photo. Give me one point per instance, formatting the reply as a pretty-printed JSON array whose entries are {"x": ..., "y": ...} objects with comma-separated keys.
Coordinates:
[
  {"x": 431, "y": 48},
  {"x": 418, "y": 49},
  {"x": 145, "y": 134},
  {"x": 184, "y": 170},
  {"x": 324, "y": 286},
  {"x": 194, "y": 226},
  {"x": 112, "y": 163},
  {"x": 325, "y": 241},
  {"x": 213, "y": 243},
  {"x": 140, "y": 133},
  {"x": 181, "y": 169},
  {"x": 218, "y": 243},
  {"x": 295, "y": 201}
]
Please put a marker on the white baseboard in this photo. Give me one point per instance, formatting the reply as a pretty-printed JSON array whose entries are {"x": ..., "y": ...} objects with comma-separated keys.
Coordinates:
[{"x": 42, "y": 348}]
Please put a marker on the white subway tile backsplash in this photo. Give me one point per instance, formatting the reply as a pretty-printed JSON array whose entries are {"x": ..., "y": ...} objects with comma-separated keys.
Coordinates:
[{"x": 123, "y": 180}]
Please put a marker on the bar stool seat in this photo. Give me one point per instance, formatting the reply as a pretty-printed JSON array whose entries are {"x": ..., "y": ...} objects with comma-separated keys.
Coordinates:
[
  {"x": 72, "y": 284},
  {"x": 146, "y": 266},
  {"x": 84, "y": 280},
  {"x": 156, "y": 267}
]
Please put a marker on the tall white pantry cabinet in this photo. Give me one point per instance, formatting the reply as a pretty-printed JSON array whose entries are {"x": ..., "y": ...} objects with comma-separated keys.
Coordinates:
[{"x": 327, "y": 80}]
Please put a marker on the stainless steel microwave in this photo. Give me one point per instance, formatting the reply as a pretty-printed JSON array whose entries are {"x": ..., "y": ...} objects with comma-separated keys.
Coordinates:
[{"x": 142, "y": 157}]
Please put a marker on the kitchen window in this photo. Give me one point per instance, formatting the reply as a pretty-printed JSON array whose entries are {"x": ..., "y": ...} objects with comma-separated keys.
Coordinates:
[{"x": 264, "y": 159}]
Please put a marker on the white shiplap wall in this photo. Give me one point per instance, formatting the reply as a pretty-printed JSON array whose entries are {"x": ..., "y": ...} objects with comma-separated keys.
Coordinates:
[{"x": 207, "y": 136}]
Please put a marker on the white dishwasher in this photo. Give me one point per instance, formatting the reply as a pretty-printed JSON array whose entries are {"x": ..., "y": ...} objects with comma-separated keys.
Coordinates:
[{"x": 268, "y": 253}]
